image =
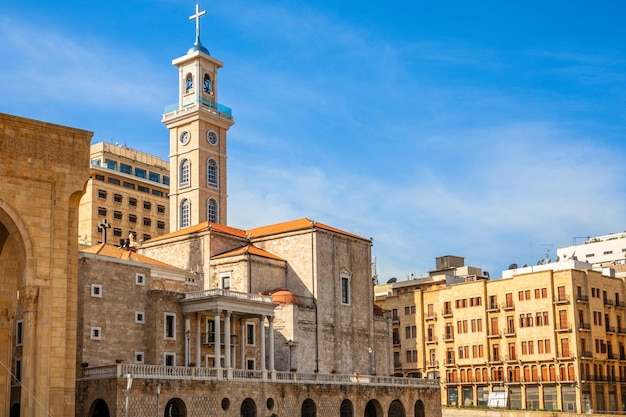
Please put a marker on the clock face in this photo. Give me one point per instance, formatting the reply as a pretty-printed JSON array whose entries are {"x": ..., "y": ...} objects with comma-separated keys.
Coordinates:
[
  {"x": 211, "y": 137},
  {"x": 184, "y": 137}
]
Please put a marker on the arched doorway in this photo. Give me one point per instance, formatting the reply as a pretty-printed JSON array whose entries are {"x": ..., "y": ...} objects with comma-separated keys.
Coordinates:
[
  {"x": 308, "y": 408},
  {"x": 346, "y": 409},
  {"x": 373, "y": 409},
  {"x": 396, "y": 409},
  {"x": 99, "y": 408},
  {"x": 175, "y": 408},
  {"x": 419, "y": 410},
  {"x": 248, "y": 408}
]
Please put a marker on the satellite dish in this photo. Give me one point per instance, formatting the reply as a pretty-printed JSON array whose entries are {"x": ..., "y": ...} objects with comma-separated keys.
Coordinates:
[
  {"x": 392, "y": 280},
  {"x": 513, "y": 266},
  {"x": 524, "y": 266}
]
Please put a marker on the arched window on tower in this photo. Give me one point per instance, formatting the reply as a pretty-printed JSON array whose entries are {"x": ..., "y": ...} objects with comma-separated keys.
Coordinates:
[
  {"x": 211, "y": 172},
  {"x": 185, "y": 210},
  {"x": 183, "y": 174},
  {"x": 188, "y": 83},
  {"x": 212, "y": 210},
  {"x": 207, "y": 86}
]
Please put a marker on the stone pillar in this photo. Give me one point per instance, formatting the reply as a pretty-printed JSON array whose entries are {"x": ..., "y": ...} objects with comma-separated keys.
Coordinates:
[
  {"x": 271, "y": 334},
  {"x": 198, "y": 341},
  {"x": 187, "y": 340},
  {"x": 6, "y": 357},
  {"x": 227, "y": 363},
  {"x": 29, "y": 298},
  {"x": 262, "y": 342},
  {"x": 218, "y": 340},
  {"x": 242, "y": 344}
]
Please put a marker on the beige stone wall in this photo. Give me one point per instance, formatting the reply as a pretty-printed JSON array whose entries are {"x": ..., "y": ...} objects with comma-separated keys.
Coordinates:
[{"x": 43, "y": 169}]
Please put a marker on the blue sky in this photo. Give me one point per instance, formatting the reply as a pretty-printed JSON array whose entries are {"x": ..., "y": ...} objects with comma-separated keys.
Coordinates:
[{"x": 489, "y": 130}]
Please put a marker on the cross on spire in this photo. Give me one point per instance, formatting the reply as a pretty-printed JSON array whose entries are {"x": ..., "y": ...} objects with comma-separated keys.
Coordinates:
[
  {"x": 196, "y": 17},
  {"x": 102, "y": 227}
]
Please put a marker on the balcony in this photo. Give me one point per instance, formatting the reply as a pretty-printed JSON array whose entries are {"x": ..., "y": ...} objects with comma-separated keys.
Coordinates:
[
  {"x": 494, "y": 360},
  {"x": 510, "y": 358},
  {"x": 620, "y": 304},
  {"x": 431, "y": 316},
  {"x": 492, "y": 308},
  {"x": 561, "y": 300},
  {"x": 565, "y": 328},
  {"x": 609, "y": 329},
  {"x": 508, "y": 306},
  {"x": 584, "y": 327},
  {"x": 210, "y": 105},
  {"x": 582, "y": 298},
  {"x": 621, "y": 330},
  {"x": 608, "y": 303},
  {"x": 433, "y": 364},
  {"x": 432, "y": 340},
  {"x": 449, "y": 362},
  {"x": 493, "y": 334},
  {"x": 448, "y": 337},
  {"x": 509, "y": 332},
  {"x": 585, "y": 354},
  {"x": 396, "y": 342},
  {"x": 612, "y": 356},
  {"x": 446, "y": 313}
]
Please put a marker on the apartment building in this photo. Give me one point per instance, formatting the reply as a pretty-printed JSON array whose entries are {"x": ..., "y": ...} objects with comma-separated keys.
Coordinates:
[
  {"x": 127, "y": 194},
  {"x": 547, "y": 337}
]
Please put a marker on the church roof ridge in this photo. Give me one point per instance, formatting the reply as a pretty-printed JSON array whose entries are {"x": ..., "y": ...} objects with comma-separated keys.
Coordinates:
[
  {"x": 249, "y": 248},
  {"x": 295, "y": 225},
  {"x": 111, "y": 251}
]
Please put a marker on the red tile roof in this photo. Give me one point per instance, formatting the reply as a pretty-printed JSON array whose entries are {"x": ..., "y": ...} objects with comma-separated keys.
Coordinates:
[
  {"x": 249, "y": 248},
  {"x": 124, "y": 254},
  {"x": 202, "y": 227},
  {"x": 295, "y": 225}
]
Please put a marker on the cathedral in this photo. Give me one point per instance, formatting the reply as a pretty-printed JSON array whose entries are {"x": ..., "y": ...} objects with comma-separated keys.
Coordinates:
[{"x": 206, "y": 320}]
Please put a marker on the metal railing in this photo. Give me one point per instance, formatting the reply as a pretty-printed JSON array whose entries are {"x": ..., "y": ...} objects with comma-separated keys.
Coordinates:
[
  {"x": 222, "y": 110},
  {"x": 219, "y": 292}
]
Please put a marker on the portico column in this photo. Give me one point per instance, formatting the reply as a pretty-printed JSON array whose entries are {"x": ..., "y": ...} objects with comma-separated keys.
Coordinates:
[
  {"x": 262, "y": 343},
  {"x": 271, "y": 332},
  {"x": 187, "y": 340},
  {"x": 198, "y": 341},
  {"x": 227, "y": 363},
  {"x": 242, "y": 343},
  {"x": 218, "y": 340},
  {"x": 29, "y": 297}
]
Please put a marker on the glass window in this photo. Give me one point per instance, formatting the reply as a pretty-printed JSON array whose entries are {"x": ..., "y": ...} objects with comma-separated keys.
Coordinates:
[
  {"x": 211, "y": 172},
  {"x": 207, "y": 87},
  {"x": 166, "y": 180},
  {"x": 184, "y": 173},
  {"x": 188, "y": 83},
  {"x": 143, "y": 189},
  {"x": 212, "y": 210},
  {"x": 250, "y": 334},
  {"x": 129, "y": 185},
  {"x": 184, "y": 213},
  {"x": 170, "y": 326},
  {"x": 139, "y": 172},
  {"x": 111, "y": 164},
  {"x": 153, "y": 176},
  {"x": 345, "y": 290},
  {"x": 126, "y": 169}
]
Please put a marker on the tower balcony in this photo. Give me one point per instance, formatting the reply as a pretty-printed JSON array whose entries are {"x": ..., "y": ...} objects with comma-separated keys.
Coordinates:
[{"x": 211, "y": 105}]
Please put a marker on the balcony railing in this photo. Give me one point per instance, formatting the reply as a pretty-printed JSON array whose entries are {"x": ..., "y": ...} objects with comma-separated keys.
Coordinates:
[
  {"x": 620, "y": 304},
  {"x": 509, "y": 332},
  {"x": 433, "y": 364},
  {"x": 446, "y": 313},
  {"x": 431, "y": 340},
  {"x": 508, "y": 306},
  {"x": 223, "y": 111},
  {"x": 582, "y": 298},
  {"x": 493, "y": 307},
  {"x": 608, "y": 302},
  {"x": 448, "y": 337},
  {"x": 609, "y": 329},
  {"x": 561, "y": 300},
  {"x": 219, "y": 292},
  {"x": 431, "y": 316},
  {"x": 584, "y": 327},
  {"x": 493, "y": 334},
  {"x": 585, "y": 354},
  {"x": 563, "y": 328},
  {"x": 213, "y": 374}
]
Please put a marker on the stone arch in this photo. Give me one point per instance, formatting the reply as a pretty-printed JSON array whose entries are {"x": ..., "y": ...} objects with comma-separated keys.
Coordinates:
[
  {"x": 396, "y": 409},
  {"x": 346, "y": 409},
  {"x": 419, "y": 410},
  {"x": 175, "y": 408},
  {"x": 99, "y": 408},
  {"x": 248, "y": 408},
  {"x": 373, "y": 409},
  {"x": 309, "y": 409}
]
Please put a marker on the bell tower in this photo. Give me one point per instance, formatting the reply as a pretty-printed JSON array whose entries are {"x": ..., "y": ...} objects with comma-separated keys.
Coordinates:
[{"x": 198, "y": 125}]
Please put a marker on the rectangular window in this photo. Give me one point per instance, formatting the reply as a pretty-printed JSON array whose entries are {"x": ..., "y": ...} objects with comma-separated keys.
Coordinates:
[
  {"x": 110, "y": 164},
  {"x": 153, "y": 176},
  {"x": 147, "y": 205},
  {"x": 143, "y": 189},
  {"x": 129, "y": 185},
  {"x": 157, "y": 193},
  {"x": 132, "y": 218},
  {"x": 250, "y": 340},
  {"x": 146, "y": 237},
  {"x": 102, "y": 211},
  {"x": 100, "y": 177},
  {"x": 170, "y": 326},
  {"x": 19, "y": 333},
  {"x": 169, "y": 359},
  {"x": 126, "y": 169},
  {"x": 96, "y": 162},
  {"x": 113, "y": 181},
  {"x": 345, "y": 290},
  {"x": 160, "y": 209},
  {"x": 225, "y": 281},
  {"x": 139, "y": 172},
  {"x": 102, "y": 194},
  {"x": 95, "y": 333},
  {"x": 139, "y": 357},
  {"x": 250, "y": 364},
  {"x": 160, "y": 225},
  {"x": 140, "y": 279},
  {"x": 117, "y": 232},
  {"x": 147, "y": 221},
  {"x": 166, "y": 180},
  {"x": 117, "y": 198},
  {"x": 140, "y": 317},
  {"x": 117, "y": 215},
  {"x": 132, "y": 202},
  {"x": 96, "y": 290}
]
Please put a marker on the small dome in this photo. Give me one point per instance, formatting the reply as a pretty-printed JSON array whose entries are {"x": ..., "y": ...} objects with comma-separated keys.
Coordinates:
[{"x": 197, "y": 46}]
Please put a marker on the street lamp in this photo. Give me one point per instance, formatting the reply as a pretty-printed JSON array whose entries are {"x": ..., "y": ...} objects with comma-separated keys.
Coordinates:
[
  {"x": 188, "y": 333},
  {"x": 370, "y": 350}
]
